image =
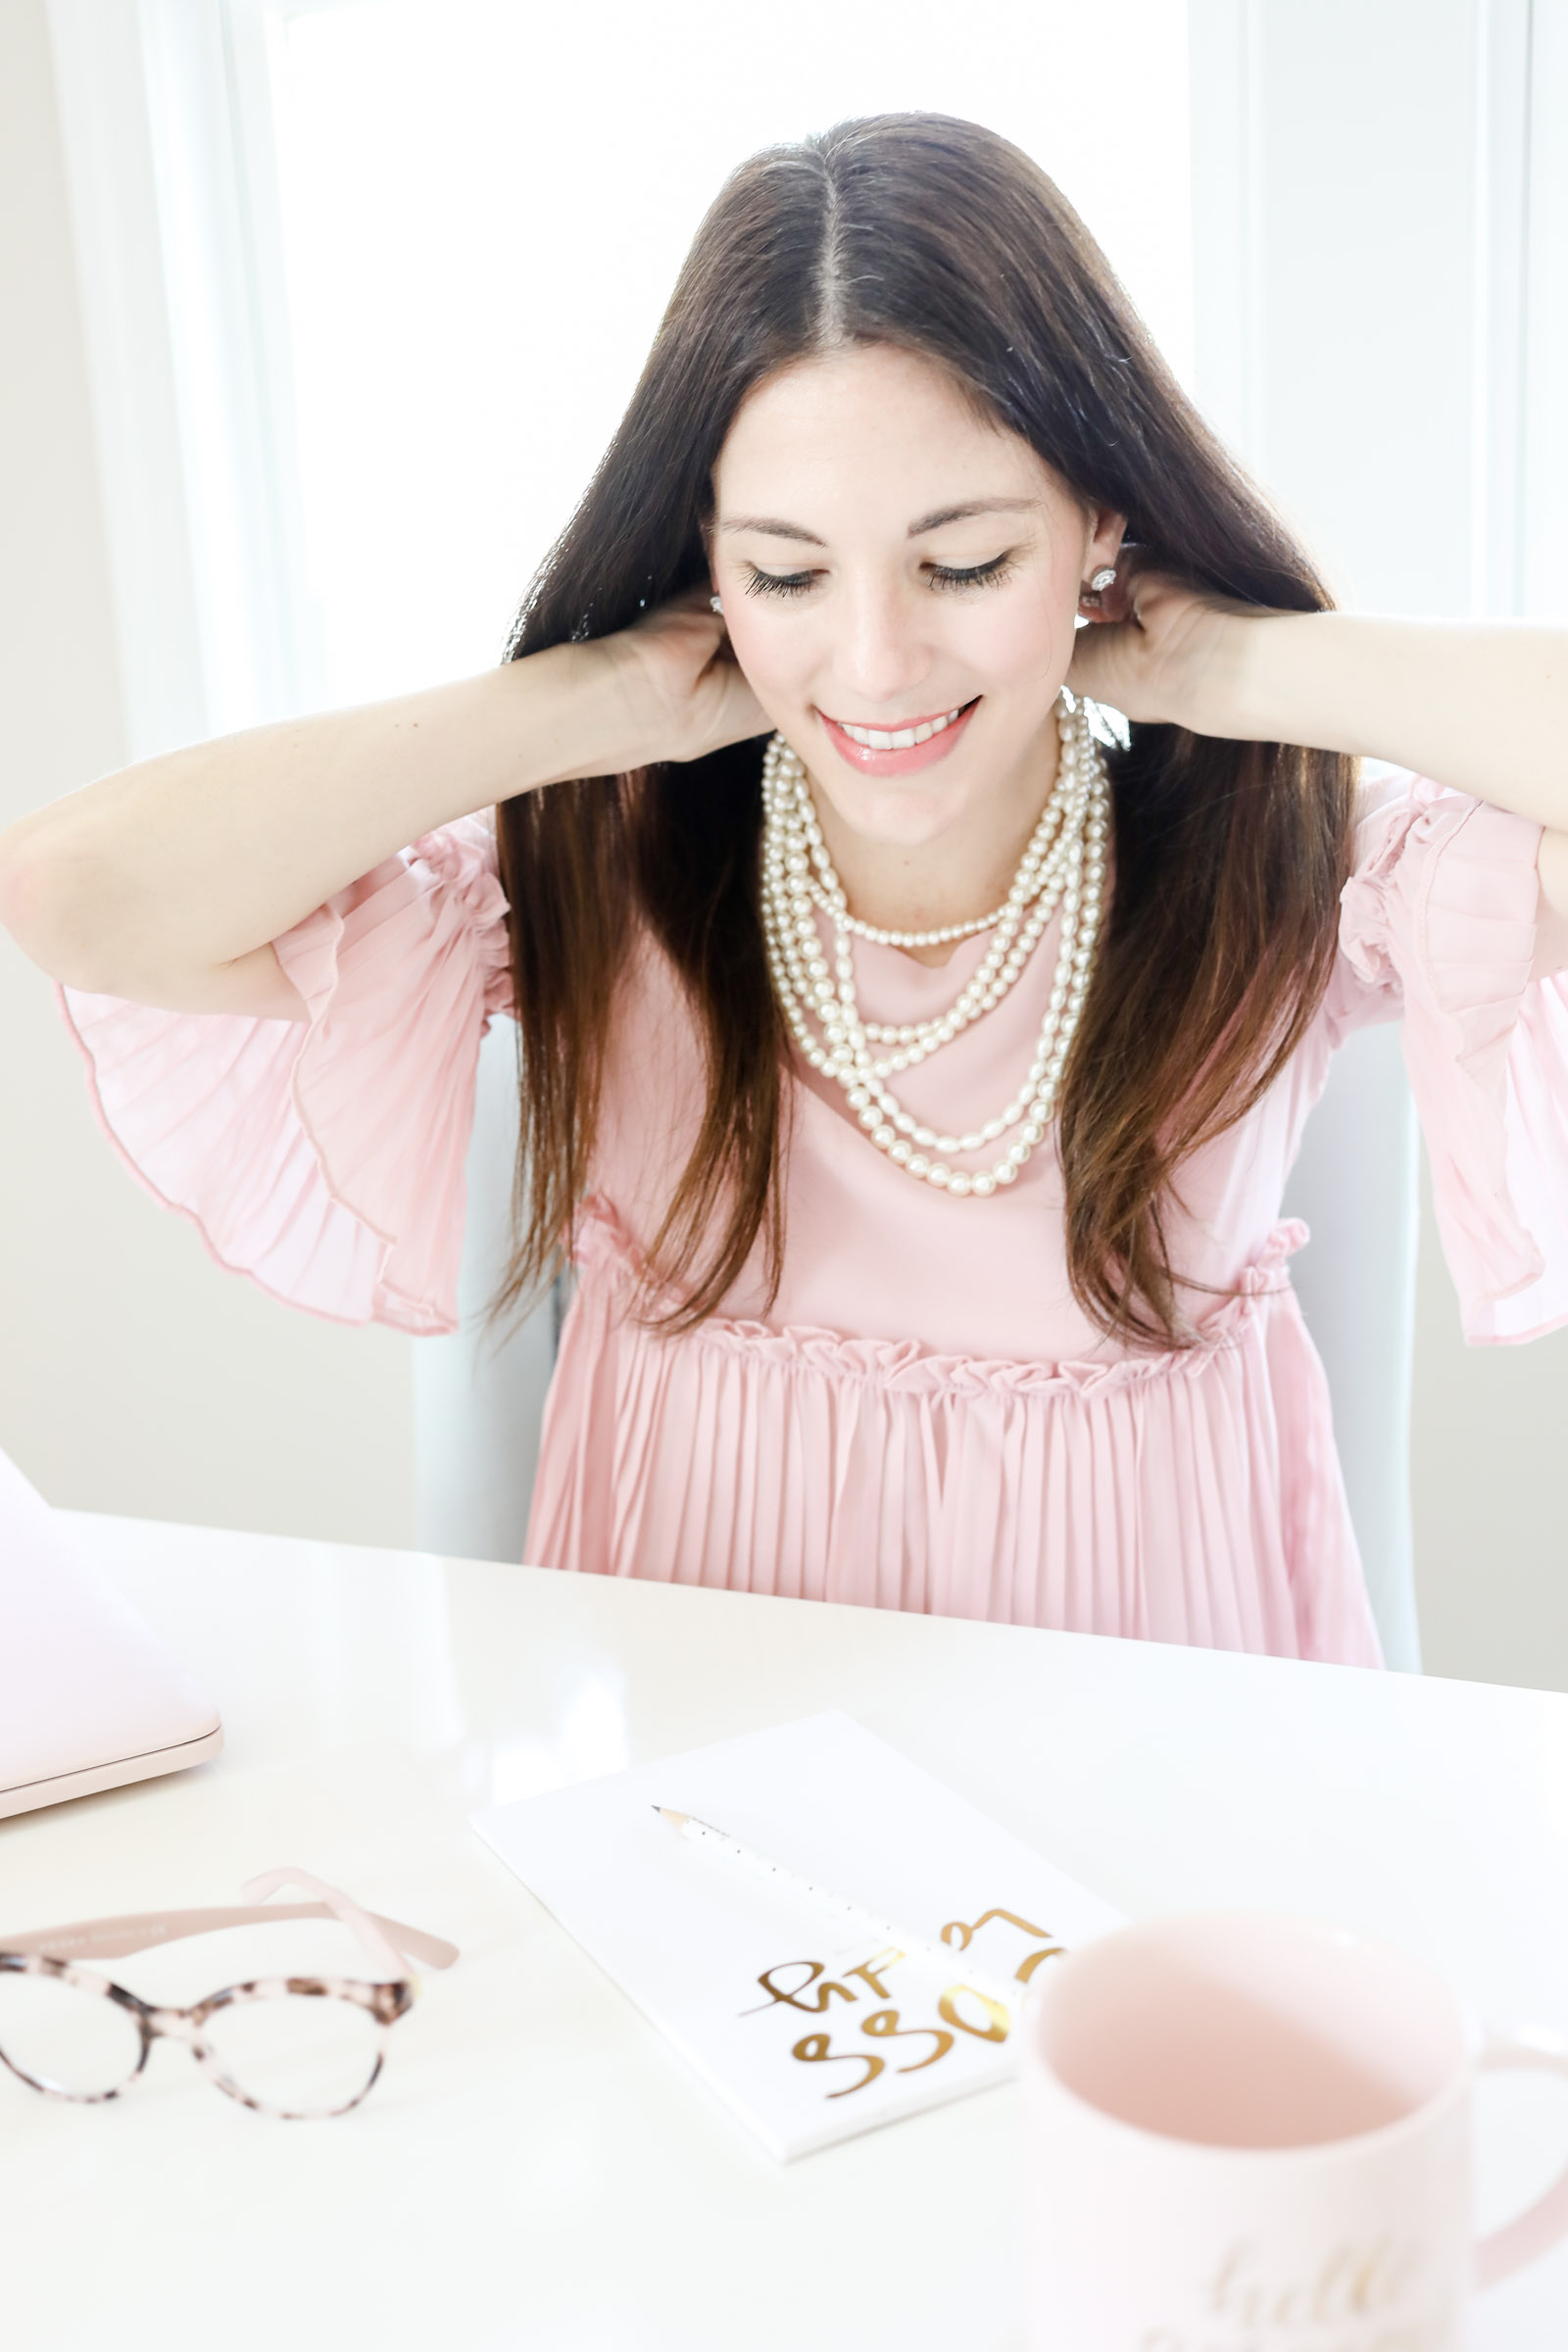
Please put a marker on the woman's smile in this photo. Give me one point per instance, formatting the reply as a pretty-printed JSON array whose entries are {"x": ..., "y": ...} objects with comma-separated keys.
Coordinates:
[{"x": 899, "y": 750}]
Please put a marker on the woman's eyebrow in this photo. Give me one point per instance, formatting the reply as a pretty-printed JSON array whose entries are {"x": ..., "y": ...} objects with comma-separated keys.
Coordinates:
[
  {"x": 774, "y": 528},
  {"x": 935, "y": 520}
]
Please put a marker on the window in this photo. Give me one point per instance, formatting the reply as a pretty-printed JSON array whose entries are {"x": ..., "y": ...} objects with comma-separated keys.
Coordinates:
[
  {"x": 415, "y": 252},
  {"x": 484, "y": 207}
]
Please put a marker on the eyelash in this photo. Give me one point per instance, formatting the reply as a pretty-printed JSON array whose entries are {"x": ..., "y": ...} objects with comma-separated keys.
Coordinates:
[
  {"x": 942, "y": 575},
  {"x": 978, "y": 575}
]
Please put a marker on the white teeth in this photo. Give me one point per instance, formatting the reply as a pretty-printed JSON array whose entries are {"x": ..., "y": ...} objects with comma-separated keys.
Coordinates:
[{"x": 875, "y": 739}]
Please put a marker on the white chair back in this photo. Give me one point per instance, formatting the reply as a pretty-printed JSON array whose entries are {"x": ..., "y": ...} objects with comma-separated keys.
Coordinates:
[
  {"x": 1356, "y": 1186},
  {"x": 476, "y": 1404}
]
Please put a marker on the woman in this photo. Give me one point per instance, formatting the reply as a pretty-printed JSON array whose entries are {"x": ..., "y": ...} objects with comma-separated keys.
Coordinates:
[{"x": 914, "y": 1093}]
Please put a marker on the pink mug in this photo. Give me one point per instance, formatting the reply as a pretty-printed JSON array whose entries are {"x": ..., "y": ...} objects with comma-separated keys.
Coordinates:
[{"x": 1247, "y": 2132}]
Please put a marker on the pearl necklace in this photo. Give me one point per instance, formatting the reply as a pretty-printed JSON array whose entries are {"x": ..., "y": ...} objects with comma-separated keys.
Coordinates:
[{"x": 1064, "y": 864}]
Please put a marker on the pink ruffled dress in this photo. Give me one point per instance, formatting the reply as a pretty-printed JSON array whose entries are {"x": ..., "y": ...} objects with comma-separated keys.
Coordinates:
[{"x": 924, "y": 1419}]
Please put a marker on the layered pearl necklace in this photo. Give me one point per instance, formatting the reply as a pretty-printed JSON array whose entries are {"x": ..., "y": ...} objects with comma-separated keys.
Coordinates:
[{"x": 1064, "y": 865}]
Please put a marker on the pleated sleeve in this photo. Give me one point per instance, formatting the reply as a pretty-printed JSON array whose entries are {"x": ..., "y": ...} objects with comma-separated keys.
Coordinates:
[
  {"x": 324, "y": 1158},
  {"x": 1442, "y": 911}
]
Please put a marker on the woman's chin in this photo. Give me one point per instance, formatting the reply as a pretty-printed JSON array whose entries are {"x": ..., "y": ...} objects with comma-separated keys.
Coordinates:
[{"x": 906, "y": 815}]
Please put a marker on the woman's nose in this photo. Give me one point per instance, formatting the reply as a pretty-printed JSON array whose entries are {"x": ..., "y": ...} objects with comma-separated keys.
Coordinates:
[{"x": 881, "y": 654}]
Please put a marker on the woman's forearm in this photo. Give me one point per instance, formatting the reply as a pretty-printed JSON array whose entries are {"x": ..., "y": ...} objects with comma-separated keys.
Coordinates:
[
  {"x": 166, "y": 881},
  {"x": 1482, "y": 706}
]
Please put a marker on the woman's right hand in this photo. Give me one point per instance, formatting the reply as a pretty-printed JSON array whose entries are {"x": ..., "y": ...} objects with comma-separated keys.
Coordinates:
[
  {"x": 684, "y": 691},
  {"x": 167, "y": 882}
]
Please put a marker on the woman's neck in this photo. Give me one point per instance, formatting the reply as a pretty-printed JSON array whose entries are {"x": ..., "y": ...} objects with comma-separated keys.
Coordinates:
[{"x": 965, "y": 871}]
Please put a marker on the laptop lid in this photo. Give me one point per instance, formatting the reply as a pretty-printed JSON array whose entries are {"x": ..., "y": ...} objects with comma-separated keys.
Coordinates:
[{"x": 89, "y": 1697}]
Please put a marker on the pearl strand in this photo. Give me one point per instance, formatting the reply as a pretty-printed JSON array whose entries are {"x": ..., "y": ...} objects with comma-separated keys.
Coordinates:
[
  {"x": 1063, "y": 865},
  {"x": 1040, "y": 880},
  {"x": 947, "y": 932}
]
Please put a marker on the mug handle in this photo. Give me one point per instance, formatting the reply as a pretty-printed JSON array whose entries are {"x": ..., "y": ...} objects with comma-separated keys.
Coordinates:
[{"x": 1503, "y": 2252}]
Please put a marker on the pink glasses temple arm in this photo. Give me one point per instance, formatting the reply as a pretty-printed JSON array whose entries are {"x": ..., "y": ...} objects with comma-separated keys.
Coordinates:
[
  {"x": 387, "y": 1941},
  {"x": 384, "y": 1940}
]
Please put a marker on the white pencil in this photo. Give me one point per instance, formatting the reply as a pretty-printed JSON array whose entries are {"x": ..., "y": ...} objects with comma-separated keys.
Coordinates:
[{"x": 851, "y": 1916}]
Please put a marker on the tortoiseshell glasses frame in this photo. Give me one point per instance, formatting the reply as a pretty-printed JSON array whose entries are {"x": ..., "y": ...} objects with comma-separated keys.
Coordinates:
[{"x": 52, "y": 1953}]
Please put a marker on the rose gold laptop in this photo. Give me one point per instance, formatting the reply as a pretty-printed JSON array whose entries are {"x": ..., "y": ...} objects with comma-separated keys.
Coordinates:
[{"x": 89, "y": 1698}]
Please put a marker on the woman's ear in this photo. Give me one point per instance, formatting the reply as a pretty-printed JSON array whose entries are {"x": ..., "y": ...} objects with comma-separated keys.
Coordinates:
[
  {"x": 1107, "y": 530},
  {"x": 706, "y": 527},
  {"x": 1101, "y": 554}
]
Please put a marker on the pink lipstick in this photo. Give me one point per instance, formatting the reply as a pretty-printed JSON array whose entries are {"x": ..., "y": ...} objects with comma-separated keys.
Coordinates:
[{"x": 887, "y": 753}]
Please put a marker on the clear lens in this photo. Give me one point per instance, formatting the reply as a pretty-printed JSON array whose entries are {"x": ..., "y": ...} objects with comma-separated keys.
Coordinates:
[
  {"x": 65, "y": 2039},
  {"x": 296, "y": 2053}
]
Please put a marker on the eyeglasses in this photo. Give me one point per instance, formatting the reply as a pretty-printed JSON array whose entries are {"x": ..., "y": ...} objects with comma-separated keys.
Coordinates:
[{"x": 288, "y": 2046}]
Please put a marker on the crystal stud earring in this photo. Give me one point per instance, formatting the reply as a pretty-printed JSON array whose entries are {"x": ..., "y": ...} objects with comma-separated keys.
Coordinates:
[
  {"x": 716, "y": 605},
  {"x": 1103, "y": 578}
]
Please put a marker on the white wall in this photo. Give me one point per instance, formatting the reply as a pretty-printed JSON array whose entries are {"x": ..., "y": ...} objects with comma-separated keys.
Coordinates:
[
  {"x": 134, "y": 1375},
  {"x": 1486, "y": 1468},
  {"x": 1372, "y": 211}
]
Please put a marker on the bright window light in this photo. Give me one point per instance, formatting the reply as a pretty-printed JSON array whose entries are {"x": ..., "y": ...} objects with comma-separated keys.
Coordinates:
[{"x": 485, "y": 204}]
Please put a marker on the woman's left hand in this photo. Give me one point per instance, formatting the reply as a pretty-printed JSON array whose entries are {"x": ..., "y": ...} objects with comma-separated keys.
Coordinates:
[
  {"x": 1478, "y": 706},
  {"x": 1160, "y": 651}
]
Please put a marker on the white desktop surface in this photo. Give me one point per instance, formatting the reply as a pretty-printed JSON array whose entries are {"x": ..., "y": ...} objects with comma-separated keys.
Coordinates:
[{"x": 536, "y": 2168}]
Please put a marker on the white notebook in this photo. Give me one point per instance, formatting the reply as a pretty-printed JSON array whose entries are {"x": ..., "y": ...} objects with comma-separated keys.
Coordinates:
[{"x": 806, "y": 2036}]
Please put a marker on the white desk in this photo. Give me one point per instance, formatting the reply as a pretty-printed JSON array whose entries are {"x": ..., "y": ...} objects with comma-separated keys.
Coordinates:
[{"x": 536, "y": 2168}]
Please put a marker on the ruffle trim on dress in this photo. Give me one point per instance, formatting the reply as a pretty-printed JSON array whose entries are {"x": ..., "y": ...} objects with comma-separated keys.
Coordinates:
[
  {"x": 324, "y": 1158},
  {"x": 1444, "y": 902},
  {"x": 604, "y": 1251},
  {"x": 1191, "y": 1497}
]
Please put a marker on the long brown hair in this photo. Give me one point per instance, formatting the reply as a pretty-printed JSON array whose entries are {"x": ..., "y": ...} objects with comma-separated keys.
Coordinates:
[{"x": 939, "y": 237}]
